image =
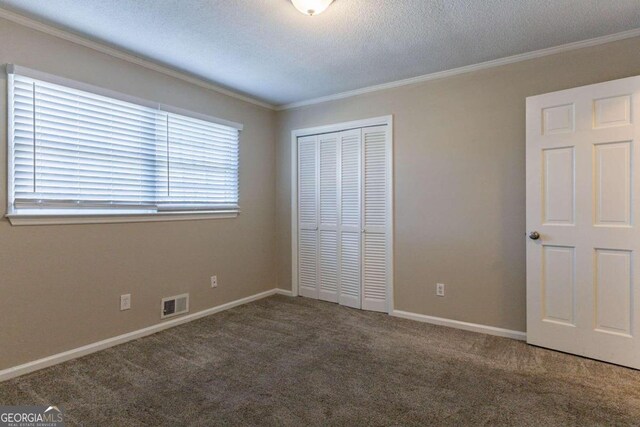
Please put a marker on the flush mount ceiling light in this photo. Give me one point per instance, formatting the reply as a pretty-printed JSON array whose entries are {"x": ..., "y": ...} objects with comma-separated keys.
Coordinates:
[{"x": 311, "y": 7}]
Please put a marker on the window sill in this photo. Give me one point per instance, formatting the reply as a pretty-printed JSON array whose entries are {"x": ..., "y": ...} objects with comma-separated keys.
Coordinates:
[{"x": 113, "y": 218}]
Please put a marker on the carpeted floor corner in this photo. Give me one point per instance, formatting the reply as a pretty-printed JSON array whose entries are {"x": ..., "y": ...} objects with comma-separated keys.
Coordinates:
[{"x": 291, "y": 361}]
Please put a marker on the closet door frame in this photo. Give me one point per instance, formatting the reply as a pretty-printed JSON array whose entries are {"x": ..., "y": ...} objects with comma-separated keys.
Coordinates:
[{"x": 339, "y": 127}]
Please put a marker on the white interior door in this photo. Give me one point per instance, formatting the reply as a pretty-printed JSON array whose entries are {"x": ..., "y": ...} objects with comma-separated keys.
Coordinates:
[
  {"x": 350, "y": 218},
  {"x": 329, "y": 276},
  {"x": 582, "y": 219},
  {"x": 375, "y": 214},
  {"x": 308, "y": 195}
]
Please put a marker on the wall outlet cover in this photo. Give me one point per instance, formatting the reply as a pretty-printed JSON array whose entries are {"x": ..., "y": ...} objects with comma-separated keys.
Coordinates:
[
  {"x": 125, "y": 302},
  {"x": 214, "y": 281},
  {"x": 440, "y": 289}
]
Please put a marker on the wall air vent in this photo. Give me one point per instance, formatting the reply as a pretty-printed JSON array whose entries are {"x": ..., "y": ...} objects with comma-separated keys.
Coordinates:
[{"x": 173, "y": 306}]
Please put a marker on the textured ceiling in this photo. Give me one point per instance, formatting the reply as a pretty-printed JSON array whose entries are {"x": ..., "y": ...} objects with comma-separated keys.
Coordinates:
[{"x": 267, "y": 49}]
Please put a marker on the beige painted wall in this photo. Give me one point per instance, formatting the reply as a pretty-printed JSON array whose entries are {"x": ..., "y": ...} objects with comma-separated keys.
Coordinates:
[
  {"x": 60, "y": 285},
  {"x": 460, "y": 202},
  {"x": 459, "y": 186}
]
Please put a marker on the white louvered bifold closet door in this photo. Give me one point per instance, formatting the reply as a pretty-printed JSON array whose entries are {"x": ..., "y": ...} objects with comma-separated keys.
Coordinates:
[
  {"x": 350, "y": 219},
  {"x": 328, "y": 227},
  {"x": 308, "y": 216},
  {"x": 376, "y": 212},
  {"x": 344, "y": 217}
]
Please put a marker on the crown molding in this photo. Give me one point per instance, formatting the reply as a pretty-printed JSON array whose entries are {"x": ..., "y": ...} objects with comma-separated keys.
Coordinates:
[
  {"x": 466, "y": 69},
  {"x": 120, "y": 54}
]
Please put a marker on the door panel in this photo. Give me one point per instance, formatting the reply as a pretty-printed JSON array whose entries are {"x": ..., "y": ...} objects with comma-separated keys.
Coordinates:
[
  {"x": 350, "y": 270},
  {"x": 350, "y": 228},
  {"x": 329, "y": 274},
  {"x": 613, "y": 291},
  {"x": 559, "y": 190},
  {"x": 558, "y": 284},
  {"x": 375, "y": 213},
  {"x": 308, "y": 216},
  {"x": 582, "y": 273},
  {"x": 308, "y": 262},
  {"x": 613, "y": 183},
  {"x": 328, "y": 228},
  {"x": 375, "y": 272}
]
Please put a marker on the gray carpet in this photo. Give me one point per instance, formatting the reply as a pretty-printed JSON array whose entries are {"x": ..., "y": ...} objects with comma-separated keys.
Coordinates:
[{"x": 295, "y": 361}]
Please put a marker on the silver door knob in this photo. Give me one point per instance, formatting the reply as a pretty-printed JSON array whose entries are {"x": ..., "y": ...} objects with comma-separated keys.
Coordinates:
[{"x": 534, "y": 235}]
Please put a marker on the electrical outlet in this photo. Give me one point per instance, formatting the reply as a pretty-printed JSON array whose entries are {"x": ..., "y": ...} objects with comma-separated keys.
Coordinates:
[
  {"x": 440, "y": 289},
  {"x": 125, "y": 302},
  {"x": 214, "y": 281}
]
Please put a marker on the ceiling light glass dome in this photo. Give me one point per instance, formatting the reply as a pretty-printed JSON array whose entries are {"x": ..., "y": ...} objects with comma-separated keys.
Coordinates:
[{"x": 311, "y": 7}]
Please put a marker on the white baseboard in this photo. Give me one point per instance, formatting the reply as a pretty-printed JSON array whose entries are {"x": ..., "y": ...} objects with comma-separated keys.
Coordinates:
[
  {"x": 75, "y": 353},
  {"x": 473, "y": 327},
  {"x": 284, "y": 292},
  {"x": 55, "y": 359}
]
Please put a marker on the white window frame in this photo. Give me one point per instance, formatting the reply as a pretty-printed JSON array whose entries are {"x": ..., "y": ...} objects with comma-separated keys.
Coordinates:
[{"x": 98, "y": 216}]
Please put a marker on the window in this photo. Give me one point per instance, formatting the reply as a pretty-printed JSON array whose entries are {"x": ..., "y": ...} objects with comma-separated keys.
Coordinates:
[{"x": 80, "y": 150}]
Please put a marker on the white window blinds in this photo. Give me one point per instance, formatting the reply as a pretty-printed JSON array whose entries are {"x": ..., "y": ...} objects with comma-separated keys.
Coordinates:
[{"x": 71, "y": 148}]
